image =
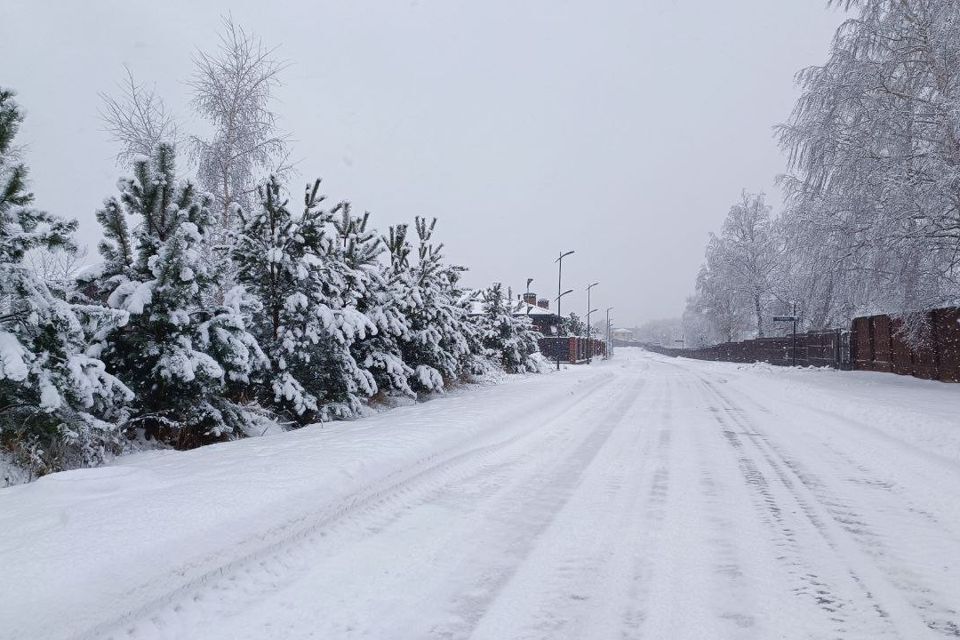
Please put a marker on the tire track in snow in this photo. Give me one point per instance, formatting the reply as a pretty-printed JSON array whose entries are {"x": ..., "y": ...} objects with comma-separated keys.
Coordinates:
[
  {"x": 695, "y": 582},
  {"x": 846, "y": 534},
  {"x": 522, "y": 524},
  {"x": 733, "y": 577},
  {"x": 654, "y": 510},
  {"x": 924, "y": 467},
  {"x": 582, "y": 578},
  {"x": 275, "y": 552},
  {"x": 455, "y": 548}
]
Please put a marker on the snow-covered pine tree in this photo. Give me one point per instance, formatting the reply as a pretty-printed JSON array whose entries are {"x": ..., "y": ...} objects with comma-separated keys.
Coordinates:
[
  {"x": 188, "y": 359},
  {"x": 309, "y": 319},
  {"x": 341, "y": 384},
  {"x": 573, "y": 325},
  {"x": 480, "y": 361},
  {"x": 436, "y": 346},
  {"x": 377, "y": 297},
  {"x": 507, "y": 338},
  {"x": 54, "y": 393},
  {"x": 272, "y": 254}
]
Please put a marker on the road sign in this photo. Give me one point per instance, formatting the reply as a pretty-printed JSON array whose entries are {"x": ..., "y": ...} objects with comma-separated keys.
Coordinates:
[{"x": 785, "y": 318}]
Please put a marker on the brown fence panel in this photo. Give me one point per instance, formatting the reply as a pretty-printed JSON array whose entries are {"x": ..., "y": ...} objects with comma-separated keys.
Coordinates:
[
  {"x": 778, "y": 351},
  {"x": 572, "y": 349},
  {"x": 822, "y": 349},
  {"x": 861, "y": 340},
  {"x": 938, "y": 359},
  {"x": 901, "y": 354},
  {"x": 946, "y": 328},
  {"x": 882, "y": 355},
  {"x": 926, "y": 357}
]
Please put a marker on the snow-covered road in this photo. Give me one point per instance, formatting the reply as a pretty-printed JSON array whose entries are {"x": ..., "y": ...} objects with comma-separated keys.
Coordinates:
[{"x": 638, "y": 498}]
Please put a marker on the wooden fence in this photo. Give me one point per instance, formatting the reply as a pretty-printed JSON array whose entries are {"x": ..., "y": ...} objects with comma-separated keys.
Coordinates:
[{"x": 872, "y": 343}]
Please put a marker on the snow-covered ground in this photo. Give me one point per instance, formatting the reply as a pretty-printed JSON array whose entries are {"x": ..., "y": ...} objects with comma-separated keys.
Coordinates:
[{"x": 638, "y": 498}]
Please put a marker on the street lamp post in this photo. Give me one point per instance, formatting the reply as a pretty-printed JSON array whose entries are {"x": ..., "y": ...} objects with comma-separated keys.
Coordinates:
[
  {"x": 589, "y": 328},
  {"x": 558, "y": 331},
  {"x": 559, "y": 262},
  {"x": 590, "y": 350}
]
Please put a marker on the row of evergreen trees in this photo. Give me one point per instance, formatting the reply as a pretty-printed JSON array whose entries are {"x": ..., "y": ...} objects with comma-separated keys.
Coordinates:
[{"x": 189, "y": 333}]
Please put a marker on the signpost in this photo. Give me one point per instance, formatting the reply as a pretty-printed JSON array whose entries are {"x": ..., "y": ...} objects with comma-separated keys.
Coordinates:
[{"x": 792, "y": 319}]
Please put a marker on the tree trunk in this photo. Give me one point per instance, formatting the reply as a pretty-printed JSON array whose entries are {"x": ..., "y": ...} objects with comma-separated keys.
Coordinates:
[{"x": 756, "y": 304}]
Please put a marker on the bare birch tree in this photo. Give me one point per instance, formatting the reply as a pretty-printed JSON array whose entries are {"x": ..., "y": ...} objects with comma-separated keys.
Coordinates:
[{"x": 233, "y": 90}]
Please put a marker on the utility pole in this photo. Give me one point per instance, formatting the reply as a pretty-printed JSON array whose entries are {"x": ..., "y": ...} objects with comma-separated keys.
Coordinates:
[
  {"x": 589, "y": 328},
  {"x": 559, "y": 262},
  {"x": 590, "y": 351}
]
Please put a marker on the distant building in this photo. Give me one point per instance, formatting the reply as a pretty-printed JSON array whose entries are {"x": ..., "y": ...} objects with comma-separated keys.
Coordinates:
[
  {"x": 622, "y": 335},
  {"x": 538, "y": 310}
]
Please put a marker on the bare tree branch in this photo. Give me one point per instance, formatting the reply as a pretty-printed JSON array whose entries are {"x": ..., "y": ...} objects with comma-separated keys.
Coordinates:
[{"x": 137, "y": 120}]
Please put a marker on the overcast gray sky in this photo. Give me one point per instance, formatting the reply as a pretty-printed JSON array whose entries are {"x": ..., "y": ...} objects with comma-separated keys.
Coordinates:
[{"x": 621, "y": 129}]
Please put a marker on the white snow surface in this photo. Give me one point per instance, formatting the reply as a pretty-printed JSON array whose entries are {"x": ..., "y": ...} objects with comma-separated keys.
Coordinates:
[{"x": 641, "y": 497}]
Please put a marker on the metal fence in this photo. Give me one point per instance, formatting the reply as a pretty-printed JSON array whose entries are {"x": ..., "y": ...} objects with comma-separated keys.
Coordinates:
[{"x": 873, "y": 343}]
